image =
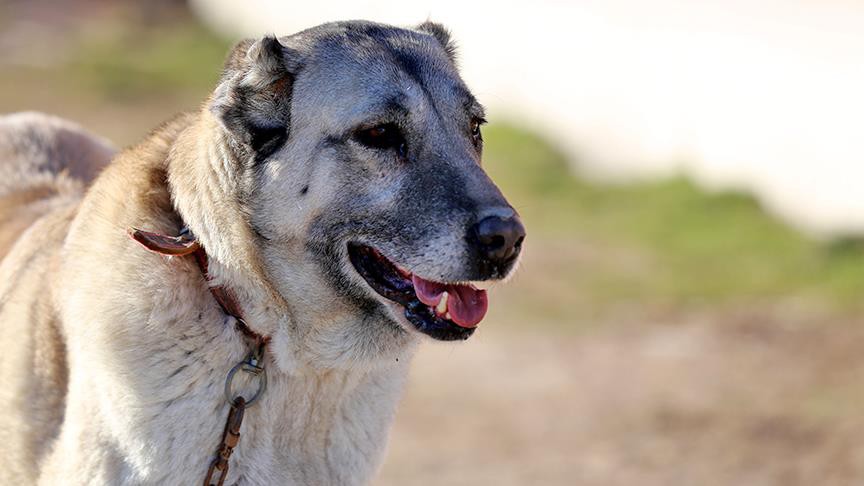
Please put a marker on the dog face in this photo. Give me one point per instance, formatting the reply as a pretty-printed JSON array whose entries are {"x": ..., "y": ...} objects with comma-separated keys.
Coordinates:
[{"x": 360, "y": 147}]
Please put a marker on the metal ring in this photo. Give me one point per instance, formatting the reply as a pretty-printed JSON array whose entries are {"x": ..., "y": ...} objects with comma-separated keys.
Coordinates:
[{"x": 262, "y": 384}]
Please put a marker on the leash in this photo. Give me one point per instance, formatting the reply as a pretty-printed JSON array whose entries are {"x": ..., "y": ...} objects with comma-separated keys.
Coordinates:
[{"x": 183, "y": 245}]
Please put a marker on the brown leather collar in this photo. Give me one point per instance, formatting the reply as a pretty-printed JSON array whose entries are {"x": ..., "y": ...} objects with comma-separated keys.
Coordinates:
[{"x": 185, "y": 244}]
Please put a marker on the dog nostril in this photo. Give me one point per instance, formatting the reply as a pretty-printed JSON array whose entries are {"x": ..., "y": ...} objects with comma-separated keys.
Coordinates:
[{"x": 496, "y": 241}]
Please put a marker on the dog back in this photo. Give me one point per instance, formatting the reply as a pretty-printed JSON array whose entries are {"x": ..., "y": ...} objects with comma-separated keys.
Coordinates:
[{"x": 44, "y": 161}]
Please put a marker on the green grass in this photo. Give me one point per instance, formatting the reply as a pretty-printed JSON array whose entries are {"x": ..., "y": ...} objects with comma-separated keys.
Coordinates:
[
  {"x": 128, "y": 63},
  {"x": 684, "y": 246}
]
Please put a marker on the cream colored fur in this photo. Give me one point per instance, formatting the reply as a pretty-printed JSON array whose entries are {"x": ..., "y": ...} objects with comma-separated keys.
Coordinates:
[{"x": 114, "y": 358}]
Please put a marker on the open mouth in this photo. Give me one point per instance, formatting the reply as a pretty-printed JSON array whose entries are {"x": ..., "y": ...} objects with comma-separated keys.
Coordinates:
[{"x": 444, "y": 311}]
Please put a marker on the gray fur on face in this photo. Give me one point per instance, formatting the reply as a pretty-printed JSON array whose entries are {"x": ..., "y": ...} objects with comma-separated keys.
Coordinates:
[{"x": 294, "y": 107}]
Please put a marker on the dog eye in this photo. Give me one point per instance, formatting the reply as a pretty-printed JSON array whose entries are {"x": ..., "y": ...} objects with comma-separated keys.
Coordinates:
[
  {"x": 476, "y": 136},
  {"x": 383, "y": 137}
]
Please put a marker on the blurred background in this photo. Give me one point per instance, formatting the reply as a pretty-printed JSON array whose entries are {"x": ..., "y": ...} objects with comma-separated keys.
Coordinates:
[{"x": 688, "y": 310}]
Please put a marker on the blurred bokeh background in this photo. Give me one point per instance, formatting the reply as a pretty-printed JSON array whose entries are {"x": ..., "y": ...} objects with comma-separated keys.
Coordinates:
[{"x": 689, "y": 306}]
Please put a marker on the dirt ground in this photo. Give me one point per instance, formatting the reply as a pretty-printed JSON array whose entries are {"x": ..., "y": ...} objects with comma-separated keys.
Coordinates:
[{"x": 746, "y": 399}]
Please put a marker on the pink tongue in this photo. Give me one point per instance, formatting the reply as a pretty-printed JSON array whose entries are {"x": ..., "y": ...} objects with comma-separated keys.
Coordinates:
[{"x": 467, "y": 305}]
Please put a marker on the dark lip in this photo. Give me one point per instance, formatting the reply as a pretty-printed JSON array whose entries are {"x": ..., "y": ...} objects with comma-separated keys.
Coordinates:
[{"x": 392, "y": 284}]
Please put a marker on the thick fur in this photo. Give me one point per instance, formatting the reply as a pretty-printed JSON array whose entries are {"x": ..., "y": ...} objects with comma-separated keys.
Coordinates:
[{"x": 115, "y": 358}]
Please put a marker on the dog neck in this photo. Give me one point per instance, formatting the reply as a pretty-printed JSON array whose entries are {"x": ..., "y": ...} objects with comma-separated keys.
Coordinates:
[
  {"x": 313, "y": 425},
  {"x": 201, "y": 171}
]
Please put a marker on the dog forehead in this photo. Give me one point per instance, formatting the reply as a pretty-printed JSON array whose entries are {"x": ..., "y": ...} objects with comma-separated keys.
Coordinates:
[
  {"x": 377, "y": 64},
  {"x": 364, "y": 40}
]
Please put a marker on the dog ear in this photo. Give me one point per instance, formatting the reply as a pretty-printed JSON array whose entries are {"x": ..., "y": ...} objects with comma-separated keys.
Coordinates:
[
  {"x": 253, "y": 97},
  {"x": 442, "y": 35}
]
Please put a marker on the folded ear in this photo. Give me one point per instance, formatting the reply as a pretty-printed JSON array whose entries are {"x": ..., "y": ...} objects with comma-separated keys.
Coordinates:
[
  {"x": 442, "y": 35},
  {"x": 253, "y": 97}
]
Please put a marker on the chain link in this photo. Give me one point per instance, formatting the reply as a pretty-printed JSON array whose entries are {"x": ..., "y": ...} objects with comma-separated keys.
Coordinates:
[
  {"x": 253, "y": 365},
  {"x": 230, "y": 439}
]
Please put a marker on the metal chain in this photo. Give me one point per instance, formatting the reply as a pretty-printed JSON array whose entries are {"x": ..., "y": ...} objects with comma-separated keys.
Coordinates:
[
  {"x": 254, "y": 365},
  {"x": 230, "y": 439}
]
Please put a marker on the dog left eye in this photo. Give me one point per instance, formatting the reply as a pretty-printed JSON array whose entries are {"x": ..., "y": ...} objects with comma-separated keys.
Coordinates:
[
  {"x": 383, "y": 137},
  {"x": 476, "y": 136}
]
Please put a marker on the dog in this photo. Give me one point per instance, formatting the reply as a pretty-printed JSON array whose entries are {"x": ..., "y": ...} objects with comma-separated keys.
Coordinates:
[{"x": 331, "y": 187}]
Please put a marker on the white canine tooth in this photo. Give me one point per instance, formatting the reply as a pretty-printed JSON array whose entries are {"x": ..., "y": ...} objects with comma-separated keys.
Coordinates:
[{"x": 442, "y": 305}]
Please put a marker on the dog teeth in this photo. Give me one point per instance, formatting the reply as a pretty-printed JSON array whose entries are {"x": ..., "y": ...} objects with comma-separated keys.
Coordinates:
[{"x": 441, "y": 308}]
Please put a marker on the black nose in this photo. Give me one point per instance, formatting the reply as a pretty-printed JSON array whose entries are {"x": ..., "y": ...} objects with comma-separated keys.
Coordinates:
[{"x": 499, "y": 239}]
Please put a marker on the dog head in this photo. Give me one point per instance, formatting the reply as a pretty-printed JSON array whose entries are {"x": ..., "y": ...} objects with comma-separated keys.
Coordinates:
[{"x": 358, "y": 155}]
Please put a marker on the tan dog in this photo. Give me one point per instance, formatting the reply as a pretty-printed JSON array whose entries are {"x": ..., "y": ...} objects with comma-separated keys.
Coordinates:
[{"x": 333, "y": 180}]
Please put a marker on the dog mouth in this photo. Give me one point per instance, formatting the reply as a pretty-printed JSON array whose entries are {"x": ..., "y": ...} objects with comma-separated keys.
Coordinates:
[{"x": 443, "y": 311}]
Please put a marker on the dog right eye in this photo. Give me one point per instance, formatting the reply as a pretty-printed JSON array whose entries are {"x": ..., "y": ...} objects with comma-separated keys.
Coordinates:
[{"x": 383, "y": 137}]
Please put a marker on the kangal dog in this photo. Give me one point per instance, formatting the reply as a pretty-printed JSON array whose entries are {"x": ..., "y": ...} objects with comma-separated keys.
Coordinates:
[{"x": 332, "y": 182}]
